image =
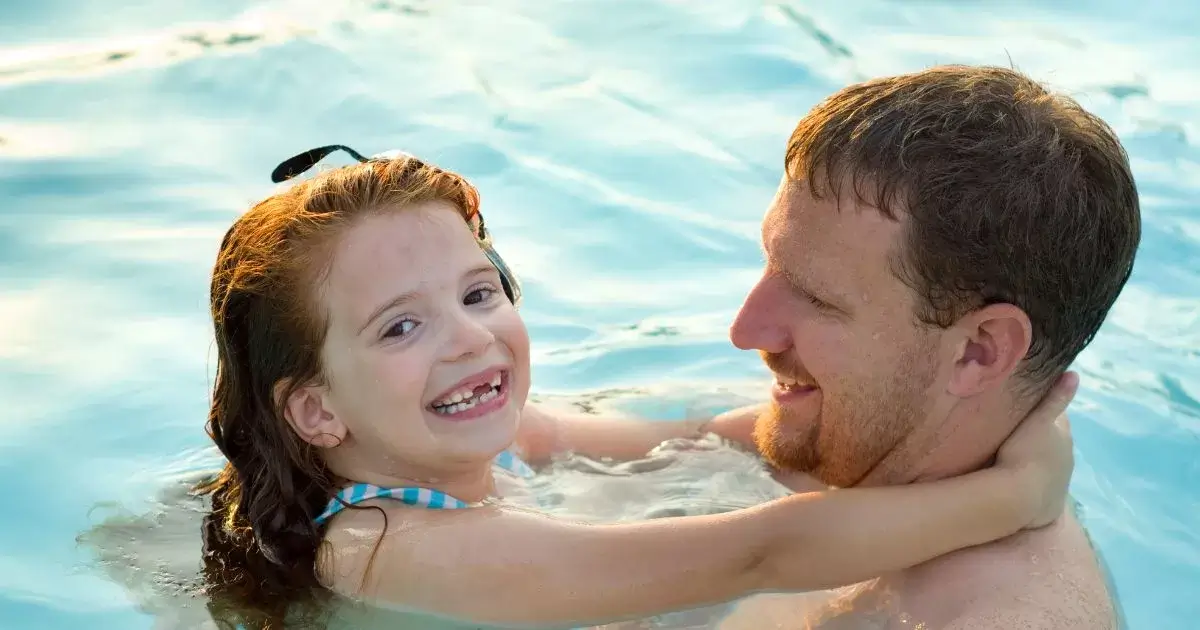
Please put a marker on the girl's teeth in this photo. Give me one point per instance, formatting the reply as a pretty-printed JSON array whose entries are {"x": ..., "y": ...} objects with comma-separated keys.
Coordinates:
[
  {"x": 458, "y": 403},
  {"x": 457, "y": 398}
]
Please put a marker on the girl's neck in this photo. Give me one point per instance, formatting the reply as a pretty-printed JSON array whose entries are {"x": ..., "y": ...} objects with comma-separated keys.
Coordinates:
[{"x": 470, "y": 483}]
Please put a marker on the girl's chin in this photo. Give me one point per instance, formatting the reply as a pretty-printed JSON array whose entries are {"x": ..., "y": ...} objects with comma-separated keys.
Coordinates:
[{"x": 481, "y": 437}]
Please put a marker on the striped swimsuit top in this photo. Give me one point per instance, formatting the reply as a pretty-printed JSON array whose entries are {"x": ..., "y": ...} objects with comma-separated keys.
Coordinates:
[
  {"x": 415, "y": 496},
  {"x": 420, "y": 497}
]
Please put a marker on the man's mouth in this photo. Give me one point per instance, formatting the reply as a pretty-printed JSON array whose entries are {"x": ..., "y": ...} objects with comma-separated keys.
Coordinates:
[
  {"x": 473, "y": 392},
  {"x": 793, "y": 384},
  {"x": 790, "y": 388},
  {"x": 790, "y": 379}
]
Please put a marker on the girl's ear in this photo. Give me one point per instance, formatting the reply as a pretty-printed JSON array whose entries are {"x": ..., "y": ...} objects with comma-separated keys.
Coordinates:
[{"x": 305, "y": 409}]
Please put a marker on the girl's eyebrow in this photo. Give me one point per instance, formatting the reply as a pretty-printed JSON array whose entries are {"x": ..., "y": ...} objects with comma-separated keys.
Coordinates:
[
  {"x": 409, "y": 296},
  {"x": 403, "y": 298}
]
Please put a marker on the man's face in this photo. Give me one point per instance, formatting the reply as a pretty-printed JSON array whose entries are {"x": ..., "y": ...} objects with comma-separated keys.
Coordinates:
[{"x": 855, "y": 373}]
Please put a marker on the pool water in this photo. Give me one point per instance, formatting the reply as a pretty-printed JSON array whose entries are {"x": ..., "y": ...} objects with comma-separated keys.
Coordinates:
[{"x": 625, "y": 152}]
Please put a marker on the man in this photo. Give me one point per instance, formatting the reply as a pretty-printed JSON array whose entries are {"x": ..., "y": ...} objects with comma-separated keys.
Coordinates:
[{"x": 942, "y": 246}]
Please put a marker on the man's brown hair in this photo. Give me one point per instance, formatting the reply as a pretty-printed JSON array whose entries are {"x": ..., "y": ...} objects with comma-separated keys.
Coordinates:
[{"x": 1012, "y": 195}]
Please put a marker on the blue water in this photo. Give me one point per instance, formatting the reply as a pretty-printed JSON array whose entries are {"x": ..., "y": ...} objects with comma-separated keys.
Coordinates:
[{"x": 625, "y": 152}]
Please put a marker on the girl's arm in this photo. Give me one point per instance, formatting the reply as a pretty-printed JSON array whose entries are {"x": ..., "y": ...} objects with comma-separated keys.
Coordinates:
[
  {"x": 493, "y": 566},
  {"x": 545, "y": 431}
]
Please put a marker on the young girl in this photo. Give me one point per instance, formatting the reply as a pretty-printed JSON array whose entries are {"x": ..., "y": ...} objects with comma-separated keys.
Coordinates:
[{"x": 372, "y": 373}]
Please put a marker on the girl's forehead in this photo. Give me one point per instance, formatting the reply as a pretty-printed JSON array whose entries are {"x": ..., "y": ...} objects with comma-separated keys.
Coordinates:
[{"x": 388, "y": 255}]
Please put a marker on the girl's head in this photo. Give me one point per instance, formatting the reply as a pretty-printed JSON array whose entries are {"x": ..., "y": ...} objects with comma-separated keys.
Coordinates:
[{"x": 351, "y": 312}]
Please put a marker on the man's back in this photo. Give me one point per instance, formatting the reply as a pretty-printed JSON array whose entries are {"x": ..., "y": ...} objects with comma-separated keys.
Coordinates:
[{"x": 1044, "y": 579}]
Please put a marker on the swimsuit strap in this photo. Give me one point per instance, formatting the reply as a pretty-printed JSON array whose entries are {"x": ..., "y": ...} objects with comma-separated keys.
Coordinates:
[
  {"x": 509, "y": 461},
  {"x": 415, "y": 496}
]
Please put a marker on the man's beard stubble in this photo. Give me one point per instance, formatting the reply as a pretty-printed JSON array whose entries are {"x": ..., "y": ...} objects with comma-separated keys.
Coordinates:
[{"x": 858, "y": 425}]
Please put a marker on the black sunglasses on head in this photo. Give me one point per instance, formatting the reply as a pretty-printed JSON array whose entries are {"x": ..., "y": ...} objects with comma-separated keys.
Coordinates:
[{"x": 300, "y": 163}]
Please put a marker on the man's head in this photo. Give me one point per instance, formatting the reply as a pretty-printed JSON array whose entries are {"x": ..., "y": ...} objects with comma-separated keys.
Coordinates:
[{"x": 943, "y": 245}]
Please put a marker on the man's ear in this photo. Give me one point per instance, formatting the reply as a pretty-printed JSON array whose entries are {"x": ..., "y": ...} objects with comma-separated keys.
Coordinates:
[
  {"x": 305, "y": 408},
  {"x": 995, "y": 339}
]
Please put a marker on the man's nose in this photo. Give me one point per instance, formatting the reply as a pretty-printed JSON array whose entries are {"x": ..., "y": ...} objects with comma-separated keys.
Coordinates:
[{"x": 761, "y": 323}]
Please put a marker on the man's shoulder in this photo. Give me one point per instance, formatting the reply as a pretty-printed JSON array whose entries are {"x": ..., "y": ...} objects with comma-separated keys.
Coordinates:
[
  {"x": 1035, "y": 617},
  {"x": 1047, "y": 578}
]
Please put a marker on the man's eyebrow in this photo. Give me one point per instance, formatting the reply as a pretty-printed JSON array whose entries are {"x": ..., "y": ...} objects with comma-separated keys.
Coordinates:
[
  {"x": 799, "y": 283},
  {"x": 818, "y": 291},
  {"x": 814, "y": 290}
]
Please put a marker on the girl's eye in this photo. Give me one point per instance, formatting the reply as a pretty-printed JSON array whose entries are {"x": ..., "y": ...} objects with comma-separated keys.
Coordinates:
[
  {"x": 400, "y": 329},
  {"x": 479, "y": 296}
]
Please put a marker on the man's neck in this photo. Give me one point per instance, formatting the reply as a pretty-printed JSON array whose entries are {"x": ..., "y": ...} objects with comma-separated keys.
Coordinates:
[{"x": 965, "y": 440}]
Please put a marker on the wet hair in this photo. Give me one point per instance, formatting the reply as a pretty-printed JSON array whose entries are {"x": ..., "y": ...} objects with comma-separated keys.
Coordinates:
[
  {"x": 260, "y": 542},
  {"x": 1011, "y": 194}
]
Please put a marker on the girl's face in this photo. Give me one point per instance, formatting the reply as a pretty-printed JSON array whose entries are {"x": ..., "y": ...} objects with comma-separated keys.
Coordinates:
[{"x": 426, "y": 360}]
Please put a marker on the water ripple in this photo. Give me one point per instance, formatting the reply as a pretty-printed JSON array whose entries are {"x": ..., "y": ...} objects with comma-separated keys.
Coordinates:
[{"x": 625, "y": 151}]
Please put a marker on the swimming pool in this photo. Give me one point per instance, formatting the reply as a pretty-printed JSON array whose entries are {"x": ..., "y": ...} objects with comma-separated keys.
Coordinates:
[{"x": 625, "y": 151}]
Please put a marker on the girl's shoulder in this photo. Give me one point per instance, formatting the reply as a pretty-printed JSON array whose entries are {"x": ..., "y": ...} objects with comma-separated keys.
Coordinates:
[{"x": 386, "y": 537}]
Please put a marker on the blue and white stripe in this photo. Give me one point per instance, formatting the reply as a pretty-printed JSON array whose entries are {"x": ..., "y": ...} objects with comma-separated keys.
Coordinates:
[
  {"x": 507, "y": 460},
  {"x": 414, "y": 496}
]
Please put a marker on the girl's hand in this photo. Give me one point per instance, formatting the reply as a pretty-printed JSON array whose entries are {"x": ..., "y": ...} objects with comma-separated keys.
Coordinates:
[{"x": 1040, "y": 452}]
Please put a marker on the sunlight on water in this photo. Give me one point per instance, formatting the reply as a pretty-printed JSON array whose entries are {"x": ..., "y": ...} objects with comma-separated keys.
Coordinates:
[{"x": 625, "y": 152}]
